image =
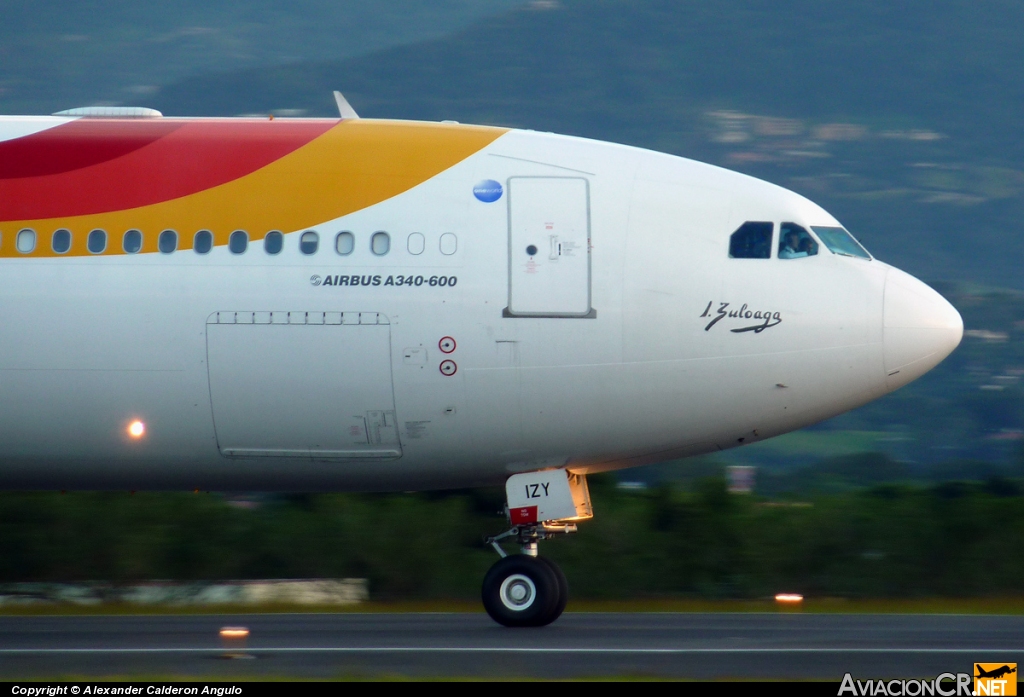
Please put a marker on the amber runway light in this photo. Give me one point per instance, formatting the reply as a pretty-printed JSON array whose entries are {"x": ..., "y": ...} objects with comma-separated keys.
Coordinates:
[
  {"x": 234, "y": 640},
  {"x": 789, "y": 598},
  {"x": 234, "y": 633}
]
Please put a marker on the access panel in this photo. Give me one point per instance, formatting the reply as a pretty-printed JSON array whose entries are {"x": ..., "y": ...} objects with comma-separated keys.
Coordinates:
[
  {"x": 302, "y": 384},
  {"x": 549, "y": 247}
]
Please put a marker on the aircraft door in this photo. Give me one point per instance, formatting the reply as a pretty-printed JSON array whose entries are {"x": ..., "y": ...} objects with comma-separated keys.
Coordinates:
[
  {"x": 549, "y": 247},
  {"x": 315, "y": 385}
]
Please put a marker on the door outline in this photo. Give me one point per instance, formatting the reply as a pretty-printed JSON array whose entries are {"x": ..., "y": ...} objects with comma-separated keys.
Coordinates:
[
  {"x": 324, "y": 320},
  {"x": 591, "y": 313}
]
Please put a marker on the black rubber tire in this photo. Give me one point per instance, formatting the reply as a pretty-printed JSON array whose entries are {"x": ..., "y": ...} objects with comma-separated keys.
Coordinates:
[
  {"x": 522, "y": 571},
  {"x": 563, "y": 589}
]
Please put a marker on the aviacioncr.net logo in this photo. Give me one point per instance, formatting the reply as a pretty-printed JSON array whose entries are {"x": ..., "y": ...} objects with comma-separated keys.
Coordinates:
[{"x": 944, "y": 685}]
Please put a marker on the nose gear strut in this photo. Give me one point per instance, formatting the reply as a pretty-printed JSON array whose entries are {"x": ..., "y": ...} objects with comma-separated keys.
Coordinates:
[{"x": 528, "y": 536}]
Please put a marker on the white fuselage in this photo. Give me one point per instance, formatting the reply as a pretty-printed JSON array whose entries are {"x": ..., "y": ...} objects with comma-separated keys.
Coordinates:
[{"x": 326, "y": 372}]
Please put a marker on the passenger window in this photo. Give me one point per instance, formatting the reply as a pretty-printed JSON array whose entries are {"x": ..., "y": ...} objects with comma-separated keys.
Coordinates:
[
  {"x": 238, "y": 242},
  {"x": 203, "y": 242},
  {"x": 344, "y": 243},
  {"x": 26, "y": 241},
  {"x": 167, "y": 242},
  {"x": 795, "y": 242},
  {"x": 61, "y": 241},
  {"x": 97, "y": 241},
  {"x": 132, "y": 241},
  {"x": 416, "y": 243},
  {"x": 380, "y": 243},
  {"x": 751, "y": 241},
  {"x": 273, "y": 243},
  {"x": 449, "y": 243},
  {"x": 309, "y": 242}
]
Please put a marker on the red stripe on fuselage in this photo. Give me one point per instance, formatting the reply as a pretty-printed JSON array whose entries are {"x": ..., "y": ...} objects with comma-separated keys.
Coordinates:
[
  {"x": 75, "y": 145},
  {"x": 159, "y": 160}
]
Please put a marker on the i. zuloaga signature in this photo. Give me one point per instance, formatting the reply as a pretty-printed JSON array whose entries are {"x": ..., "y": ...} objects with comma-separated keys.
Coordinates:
[{"x": 766, "y": 318}]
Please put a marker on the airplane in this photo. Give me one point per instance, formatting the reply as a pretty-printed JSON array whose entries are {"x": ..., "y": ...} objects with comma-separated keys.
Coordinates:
[
  {"x": 995, "y": 673},
  {"x": 277, "y": 304}
]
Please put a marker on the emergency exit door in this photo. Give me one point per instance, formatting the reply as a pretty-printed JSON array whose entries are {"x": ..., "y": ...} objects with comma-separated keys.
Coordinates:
[{"x": 549, "y": 247}]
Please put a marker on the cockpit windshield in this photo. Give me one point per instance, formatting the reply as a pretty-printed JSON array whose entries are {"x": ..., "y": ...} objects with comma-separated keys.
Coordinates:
[{"x": 840, "y": 241}]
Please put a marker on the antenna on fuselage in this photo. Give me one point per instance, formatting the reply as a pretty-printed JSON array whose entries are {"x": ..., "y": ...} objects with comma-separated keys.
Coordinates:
[{"x": 344, "y": 108}]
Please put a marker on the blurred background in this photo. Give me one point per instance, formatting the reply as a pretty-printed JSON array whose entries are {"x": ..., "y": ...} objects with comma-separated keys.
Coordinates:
[{"x": 904, "y": 120}]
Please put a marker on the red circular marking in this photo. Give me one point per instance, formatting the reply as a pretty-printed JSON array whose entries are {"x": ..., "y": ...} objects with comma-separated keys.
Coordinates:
[
  {"x": 448, "y": 368},
  {"x": 446, "y": 344}
]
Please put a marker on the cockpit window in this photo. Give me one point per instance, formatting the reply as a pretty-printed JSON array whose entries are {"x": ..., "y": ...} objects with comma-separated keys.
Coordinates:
[
  {"x": 840, "y": 241},
  {"x": 795, "y": 242},
  {"x": 751, "y": 241}
]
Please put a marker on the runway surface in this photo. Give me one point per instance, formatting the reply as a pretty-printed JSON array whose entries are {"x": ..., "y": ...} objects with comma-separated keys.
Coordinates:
[{"x": 680, "y": 645}]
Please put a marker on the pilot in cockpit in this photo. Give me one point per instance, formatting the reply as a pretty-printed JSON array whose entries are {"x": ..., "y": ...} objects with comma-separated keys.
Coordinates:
[
  {"x": 795, "y": 242},
  {"x": 791, "y": 247}
]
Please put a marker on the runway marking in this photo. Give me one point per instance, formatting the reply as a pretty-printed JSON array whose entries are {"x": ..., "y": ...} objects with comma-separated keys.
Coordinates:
[{"x": 507, "y": 649}]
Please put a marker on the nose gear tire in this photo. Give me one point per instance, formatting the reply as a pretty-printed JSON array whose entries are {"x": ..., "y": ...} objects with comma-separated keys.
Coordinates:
[
  {"x": 563, "y": 588},
  {"x": 522, "y": 591}
]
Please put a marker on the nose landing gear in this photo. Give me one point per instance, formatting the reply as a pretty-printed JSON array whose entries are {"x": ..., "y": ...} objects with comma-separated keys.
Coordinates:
[{"x": 526, "y": 590}]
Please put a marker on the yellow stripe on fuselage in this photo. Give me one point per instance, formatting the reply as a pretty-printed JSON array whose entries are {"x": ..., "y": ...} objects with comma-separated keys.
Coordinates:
[{"x": 356, "y": 164}]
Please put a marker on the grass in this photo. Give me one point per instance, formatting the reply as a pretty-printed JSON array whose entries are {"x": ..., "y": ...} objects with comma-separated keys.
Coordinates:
[
  {"x": 969, "y": 606},
  {"x": 810, "y": 444}
]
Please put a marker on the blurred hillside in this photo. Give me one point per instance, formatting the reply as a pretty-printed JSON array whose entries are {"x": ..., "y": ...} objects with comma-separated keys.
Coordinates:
[
  {"x": 903, "y": 119},
  {"x": 57, "y": 54}
]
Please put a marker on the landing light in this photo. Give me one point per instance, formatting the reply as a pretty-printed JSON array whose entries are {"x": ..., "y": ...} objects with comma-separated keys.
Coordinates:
[
  {"x": 136, "y": 429},
  {"x": 789, "y": 598}
]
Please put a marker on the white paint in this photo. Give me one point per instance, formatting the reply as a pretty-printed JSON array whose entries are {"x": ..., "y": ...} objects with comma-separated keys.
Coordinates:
[
  {"x": 13, "y": 127},
  {"x": 416, "y": 243},
  {"x": 555, "y": 494},
  {"x": 273, "y": 388},
  {"x": 91, "y": 343},
  {"x": 448, "y": 244}
]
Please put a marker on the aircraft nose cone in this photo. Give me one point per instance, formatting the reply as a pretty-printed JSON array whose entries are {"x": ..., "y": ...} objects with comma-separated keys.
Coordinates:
[{"x": 919, "y": 328}]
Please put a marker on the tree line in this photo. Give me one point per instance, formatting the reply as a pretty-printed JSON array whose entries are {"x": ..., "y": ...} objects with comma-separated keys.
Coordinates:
[{"x": 891, "y": 540}]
